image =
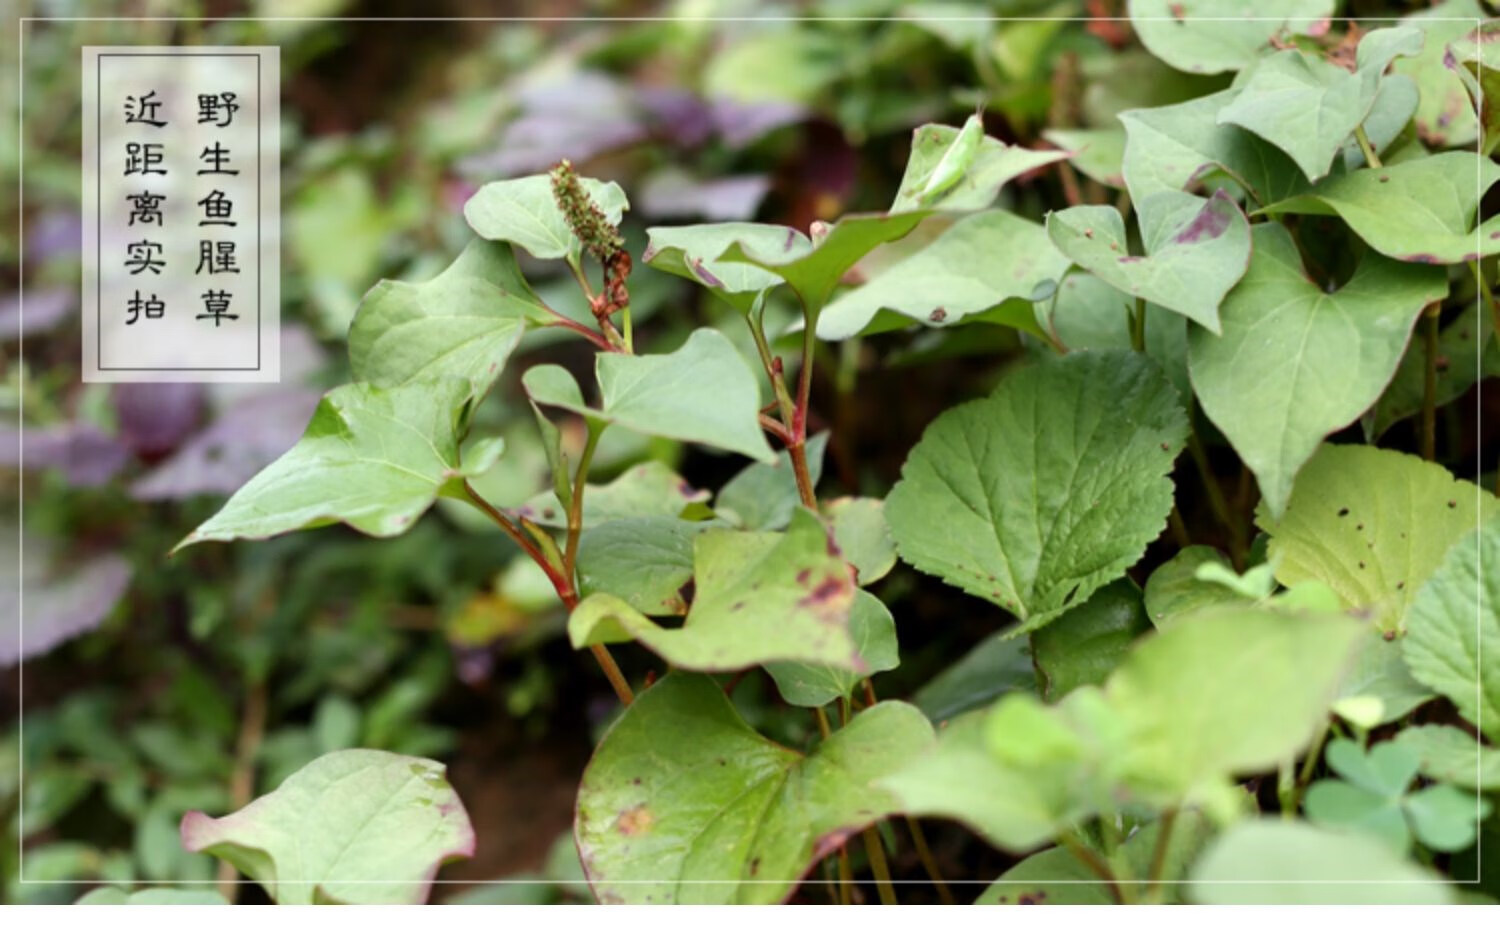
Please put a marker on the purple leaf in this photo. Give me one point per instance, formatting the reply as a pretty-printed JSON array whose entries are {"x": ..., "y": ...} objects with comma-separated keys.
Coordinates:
[
  {"x": 672, "y": 193},
  {"x": 86, "y": 454},
  {"x": 156, "y": 417},
  {"x": 45, "y": 310},
  {"x": 58, "y": 607}
]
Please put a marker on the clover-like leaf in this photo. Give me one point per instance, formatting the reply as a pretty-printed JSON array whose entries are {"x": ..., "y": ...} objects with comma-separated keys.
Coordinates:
[
  {"x": 1196, "y": 250},
  {"x": 463, "y": 323},
  {"x": 977, "y": 184},
  {"x": 874, "y": 633},
  {"x": 812, "y": 268},
  {"x": 692, "y": 252},
  {"x": 1309, "y": 106},
  {"x": 525, "y": 213},
  {"x": 985, "y": 267},
  {"x": 1311, "y": 361},
  {"x": 684, "y": 803},
  {"x": 1272, "y": 861},
  {"x": 374, "y": 458},
  {"x": 758, "y": 598},
  {"x": 703, "y": 392},
  {"x": 1373, "y": 525},
  {"x": 1052, "y": 486},
  {"x": 1453, "y": 756},
  {"x": 1421, "y": 211},
  {"x": 351, "y": 827},
  {"x": 1210, "y": 36},
  {"x": 1453, "y": 627}
]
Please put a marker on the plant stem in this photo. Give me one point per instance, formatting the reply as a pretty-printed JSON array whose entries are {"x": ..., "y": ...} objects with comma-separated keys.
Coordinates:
[
  {"x": 575, "y": 509},
  {"x": 617, "y": 680},
  {"x": 1371, "y": 159},
  {"x": 846, "y": 877},
  {"x": 929, "y": 863},
  {"x": 242, "y": 782},
  {"x": 878, "y": 867},
  {"x": 1313, "y": 754},
  {"x": 1429, "y": 381},
  {"x": 562, "y": 321},
  {"x": 1159, "y": 855},
  {"x": 1095, "y": 863},
  {"x": 797, "y": 449},
  {"x": 1489, "y": 297},
  {"x": 1138, "y": 327}
]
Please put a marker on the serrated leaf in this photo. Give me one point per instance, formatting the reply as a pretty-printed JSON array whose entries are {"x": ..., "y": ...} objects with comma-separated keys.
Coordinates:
[
  {"x": 684, "y": 803},
  {"x": 1210, "y": 36},
  {"x": 373, "y": 458},
  {"x": 759, "y": 598},
  {"x": 812, "y": 268},
  {"x": 1086, "y": 644},
  {"x": 860, "y": 530},
  {"x": 1453, "y": 627},
  {"x": 703, "y": 392},
  {"x": 1196, "y": 250},
  {"x": 1451, "y": 755},
  {"x": 993, "y": 164},
  {"x": 1312, "y": 361},
  {"x": 463, "y": 323},
  {"x": 1098, "y": 154},
  {"x": 644, "y": 561},
  {"x": 968, "y": 273},
  {"x": 1308, "y": 106},
  {"x": 649, "y": 489},
  {"x": 1035, "y": 496},
  {"x": 524, "y": 213},
  {"x": 874, "y": 633},
  {"x": 1373, "y": 525},
  {"x": 350, "y": 827},
  {"x": 1420, "y": 211},
  {"x": 692, "y": 252},
  {"x": 1271, "y": 861}
]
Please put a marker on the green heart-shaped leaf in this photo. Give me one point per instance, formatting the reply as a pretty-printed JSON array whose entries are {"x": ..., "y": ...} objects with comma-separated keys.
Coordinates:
[
  {"x": 1211, "y": 36},
  {"x": 1294, "y": 363},
  {"x": 525, "y": 213},
  {"x": 874, "y": 633}
]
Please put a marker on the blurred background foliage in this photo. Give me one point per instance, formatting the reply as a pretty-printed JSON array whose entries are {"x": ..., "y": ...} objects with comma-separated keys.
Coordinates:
[{"x": 156, "y": 684}]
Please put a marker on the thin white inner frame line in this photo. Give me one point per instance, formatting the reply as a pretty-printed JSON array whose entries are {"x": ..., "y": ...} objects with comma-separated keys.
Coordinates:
[{"x": 21, "y": 354}]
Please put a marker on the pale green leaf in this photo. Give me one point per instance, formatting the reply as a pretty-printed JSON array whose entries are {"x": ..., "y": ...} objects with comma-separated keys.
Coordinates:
[
  {"x": 1294, "y": 362},
  {"x": 1453, "y": 627},
  {"x": 1035, "y": 496},
  {"x": 644, "y": 561},
  {"x": 692, "y": 252},
  {"x": 1210, "y": 36},
  {"x": 1453, "y": 756},
  {"x": 351, "y": 827},
  {"x": 703, "y": 392},
  {"x": 152, "y": 896},
  {"x": 1098, "y": 154},
  {"x": 684, "y": 803},
  {"x": 524, "y": 213},
  {"x": 1373, "y": 525},
  {"x": 1175, "y": 590},
  {"x": 373, "y": 458},
  {"x": 1420, "y": 211},
  {"x": 993, "y": 164},
  {"x": 1271, "y": 861},
  {"x": 973, "y": 268},
  {"x": 1086, "y": 313},
  {"x": 758, "y": 598},
  {"x": 1196, "y": 250},
  {"x": 860, "y": 530},
  {"x": 649, "y": 489},
  {"x": 874, "y": 633},
  {"x": 1445, "y": 117},
  {"x": 463, "y": 323}
]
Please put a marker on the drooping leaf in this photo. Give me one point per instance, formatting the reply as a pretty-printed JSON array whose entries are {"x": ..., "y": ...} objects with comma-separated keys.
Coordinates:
[
  {"x": 1420, "y": 211},
  {"x": 758, "y": 598},
  {"x": 985, "y": 267},
  {"x": 1308, "y": 106},
  {"x": 644, "y": 561},
  {"x": 692, "y": 252},
  {"x": 1052, "y": 486},
  {"x": 812, "y": 268},
  {"x": 992, "y": 164},
  {"x": 650, "y": 489},
  {"x": 1453, "y": 627},
  {"x": 1451, "y": 755},
  {"x": 1196, "y": 250},
  {"x": 1270, "y": 861},
  {"x": 1087, "y": 643},
  {"x": 1373, "y": 525},
  {"x": 1294, "y": 363},
  {"x": 373, "y": 458},
  {"x": 463, "y": 323},
  {"x": 874, "y": 633},
  {"x": 860, "y": 530},
  {"x": 684, "y": 803},
  {"x": 703, "y": 392},
  {"x": 524, "y": 213},
  {"x": 1212, "y": 36},
  {"x": 351, "y": 827}
]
